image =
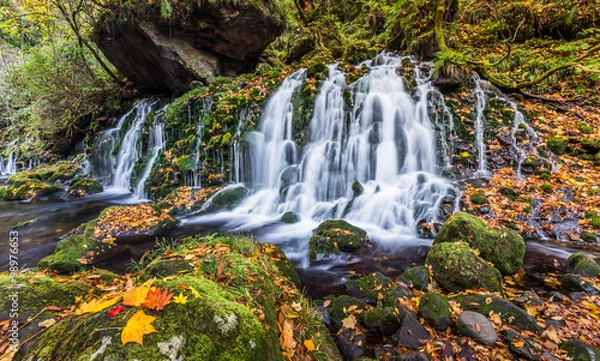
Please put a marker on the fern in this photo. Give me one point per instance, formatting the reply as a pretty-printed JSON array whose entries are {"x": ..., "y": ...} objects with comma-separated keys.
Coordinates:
[{"x": 166, "y": 11}]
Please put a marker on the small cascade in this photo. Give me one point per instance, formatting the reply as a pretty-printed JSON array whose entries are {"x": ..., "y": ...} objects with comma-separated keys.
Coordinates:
[
  {"x": 130, "y": 149},
  {"x": 236, "y": 175},
  {"x": 199, "y": 152},
  {"x": 480, "y": 104},
  {"x": 387, "y": 142},
  {"x": 9, "y": 167},
  {"x": 156, "y": 146}
]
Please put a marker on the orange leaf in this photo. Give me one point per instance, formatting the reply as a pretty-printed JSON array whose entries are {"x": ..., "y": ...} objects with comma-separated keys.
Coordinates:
[
  {"x": 157, "y": 300},
  {"x": 136, "y": 296},
  {"x": 309, "y": 344},
  {"x": 139, "y": 324},
  {"x": 287, "y": 336}
]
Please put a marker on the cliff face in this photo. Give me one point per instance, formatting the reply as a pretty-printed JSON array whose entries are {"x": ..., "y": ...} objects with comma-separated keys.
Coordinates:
[{"x": 197, "y": 42}]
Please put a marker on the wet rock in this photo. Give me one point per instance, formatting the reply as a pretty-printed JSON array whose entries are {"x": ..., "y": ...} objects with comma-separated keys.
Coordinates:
[
  {"x": 357, "y": 188},
  {"x": 335, "y": 236},
  {"x": 391, "y": 296},
  {"x": 77, "y": 252},
  {"x": 504, "y": 248},
  {"x": 381, "y": 321},
  {"x": 580, "y": 351},
  {"x": 509, "y": 313},
  {"x": 290, "y": 217},
  {"x": 418, "y": 277},
  {"x": 227, "y": 198},
  {"x": 209, "y": 41},
  {"x": 413, "y": 356},
  {"x": 477, "y": 326},
  {"x": 456, "y": 267},
  {"x": 352, "y": 343},
  {"x": 368, "y": 288},
  {"x": 84, "y": 187},
  {"x": 576, "y": 283},
  {"x": 411, "y": 334},
  {"x": 514, "y": 345},
  {"x": 583, "y": 264},
  {"x": 339, "y": 308},
  {"x": 435, "y": 309},
  {"x": 324, "y": 314}
]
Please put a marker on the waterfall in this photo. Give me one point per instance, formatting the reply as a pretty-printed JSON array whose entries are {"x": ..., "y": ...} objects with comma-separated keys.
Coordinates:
[
  {"x": 480, "y": 103},
  {"x": 200, "y": 155},
  {"x": 9, "y": 167},
  {"x": 156, "y": 144},
  {"x": 130, "y": 149},
  {"x": 386, "y": 141}
]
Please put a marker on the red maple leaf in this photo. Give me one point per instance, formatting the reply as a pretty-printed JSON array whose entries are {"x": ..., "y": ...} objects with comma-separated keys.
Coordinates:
[
  {"x": 157, "y": 300},
  {"x": 115, "y": 310}
]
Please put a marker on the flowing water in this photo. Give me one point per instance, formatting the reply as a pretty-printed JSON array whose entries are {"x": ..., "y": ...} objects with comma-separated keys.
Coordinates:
[
  {"x": 156, "y": 145},
  {"x": 480, "y": 103},
  {"x": 9, "y": 166}
]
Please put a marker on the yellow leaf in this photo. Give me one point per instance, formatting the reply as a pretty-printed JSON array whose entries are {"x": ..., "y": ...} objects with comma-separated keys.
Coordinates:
[
  {"x": 287, "y": 336},
  {"x": 296, "y": 306},
  {"x": 181, "y": 299},
  {"x": 531, "y": 310},
  {"x": 519, "y": 344},
  {"x": 96, "y": 305},
  {"x": 139, "y": 324},
  {"x": 309, "y": 344},
  {"x": 136, "y": 296},
  {"x": 349, "y": 322}
]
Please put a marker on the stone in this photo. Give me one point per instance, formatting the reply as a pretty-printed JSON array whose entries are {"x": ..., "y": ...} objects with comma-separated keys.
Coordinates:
[
  {"x": 514, "y": 345},
  {"x": 509, "y": 313},
  {"x": 418, "y": 276},
  {"x": 411, "y": 334},
  {"x": 339, "y": 308},
  {"x": 351, "y": 343},
  {"x": 84, "y": 187},
  {"x": 391, "y": 296},
  {"x": 413, "y": 356},
  {"x": 381, "y": 321},
  {"x": 504, "y": 248},
  {"x": 207, "y": 40},
  {"x": 575, "y": 283},
  {"x": 290, "y": 217},
  {"x": 227, "y": 198},
  {"x": 477, "y": 326},
  {"x": 456, "y": 267},
  {"x": 368, "y": 288},
  {"x": 583, "y": 264},
  {"x": 435, "y": 309},
  {"x": 580, "y": 351},
  {"x": 335, "y": 236}
]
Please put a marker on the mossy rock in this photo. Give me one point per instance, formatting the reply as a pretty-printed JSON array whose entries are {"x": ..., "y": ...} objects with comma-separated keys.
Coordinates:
[
  {"x": 391, "y": 296},
  {"x": 20, "y": 178},
  {"x": 227, "y": 199},
  {"x": 580, "y": 351},
  {"x": 30, "y": 189},
  {"x": 435, "y": 309},
  {"x": 7, "y": 194},
  {"x": 381, "y": 321},
  {"x": 479, "y": 198},
  {"x": 290, "y": 217},
  {"x": 583, "y": 264},
  {"x": 335, "y": 236},
  {"x": 368, "y": 288},
  {"x": 166, "y": 267},
  {"x": 418, "y": 276},
  {"x": 340, "y": 306},
  {"x": 509, "y": 313},
  {"x": 456, "y": 267},
  {"x": 85, "y": 186},
  {"x": 76, "y": 253},
  {"x": 504, "y": 248},
  {"x": 557, "y": 145},
  {"x": 575, "y": 283}
]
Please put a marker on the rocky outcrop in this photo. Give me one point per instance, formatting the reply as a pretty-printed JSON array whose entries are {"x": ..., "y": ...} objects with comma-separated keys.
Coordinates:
[{"x": 196, "y": 41}]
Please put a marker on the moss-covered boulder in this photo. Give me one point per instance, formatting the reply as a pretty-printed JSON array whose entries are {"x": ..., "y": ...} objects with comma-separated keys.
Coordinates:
[
  {"x": 227, "y": 198},
  {"x": 30, "y": 189},
  {"x": 334, "y": 237},
  {"x": 166, "y": 267},
  {"x": 369, "y": 288},
  {"x": 381, "y": 321},
  {"x": 123, "y": 223},
  {"x": 580, "y": 351},
  {"x": 78, "y": 252},
  {"x": 394, "y": 294},
  {"x": 435, "y": 309},
  {"x": 418, "y": 277},
  {"x": 186, "y": 199},
  {"x": 456, "y": 267},
  {"x": 342, "y": 306},
  {"x": 575, "y": 283},
  {"x": 84, "y": 187},
  {"x": 583, "y": 264},
  {"x": 509, "y": 313},
  {"x": 290, "y": 217},
  {"x": 504, "y": 248}
]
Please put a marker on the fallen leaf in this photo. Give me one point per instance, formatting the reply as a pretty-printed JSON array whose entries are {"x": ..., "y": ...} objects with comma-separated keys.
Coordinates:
[
  {"x": 115, "y": 311},
  {"x": 47, "y": 323},
  {"x": 309, "y": 344},
  {"x": 139, "y": 324},
  {"x": 157, "y": 299},
  {"x": 96, "y": 305},
  {"x": 287, "y": 336},
  {"x": 180, "y": 299},
  {"x": 349, "y": 322}
]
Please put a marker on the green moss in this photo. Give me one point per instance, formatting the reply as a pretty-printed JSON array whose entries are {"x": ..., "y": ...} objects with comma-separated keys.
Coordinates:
[
  {"x": 290, "y": 217},
  {"x": 583, "y": 264},
  {"x": 591, "y": 145},
  {"x": 71, "y": 251},
  {"x": 89, "y": 186},
  {"x": 580, "y": 351},
  {"x": 368, "y": 288},
  {"x": 479, "y": 198},
  {"x": 435, "y": 309},
  {"x": 509, "y": 313},
  {"x": 340, "y": 306},
  {"x": 348, "y": 238},
  {"x": 547, "y": 188},
  {"x": 509, "y": 193},
  {"x": 357, "y": 188},
  {"x": 418, "y": 276},
  {"x": 166, "y": 267},
  {"x": 319, "y": 245},
  {"x": 391, "y": 296},
  {"x": 504, "y": 248},
  {"x": 588, "y": 236},
  {"x": 381, "y": 321},
  {"x": 456, "y": 267},
  {"x": 557, "y": 145},
  {"x": 227, "y": 199}
]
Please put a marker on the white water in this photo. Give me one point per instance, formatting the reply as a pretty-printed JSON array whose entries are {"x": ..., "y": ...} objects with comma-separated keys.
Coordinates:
[
  {"x": 9, "y": 167},
  {"x": 386, "y": 141},
  {"x": 130, "y": 149},
  {"x": 156, "y": 145},
  {"x": 480, "y": 103},
  {"x": 200, "y": 154}
]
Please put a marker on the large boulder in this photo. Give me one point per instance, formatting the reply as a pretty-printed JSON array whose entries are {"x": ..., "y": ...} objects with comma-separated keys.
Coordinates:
[
  {"x": 504, "y": 248},
  {"x": 334, "y": 237},
  {"x": 166, "y": 47},
  {"x": 456, "y": 267},
  {"x": 583, "y": 264}
]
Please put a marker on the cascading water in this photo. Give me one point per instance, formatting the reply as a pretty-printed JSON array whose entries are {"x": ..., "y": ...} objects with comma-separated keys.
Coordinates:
[
  {"x": 157, "y": 144},
  {"x": 386, "y": 142},
  {"x": 130, "y": 149},
  {"x": 9, "y": 167},
  {"x": 480, "y": 103}
]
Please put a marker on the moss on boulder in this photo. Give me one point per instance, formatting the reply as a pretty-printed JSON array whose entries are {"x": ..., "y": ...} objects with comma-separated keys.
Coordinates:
[
  {"x": 391, "y": 296},
  {"x": 76, "y": 253},
  {"x": 456, "y": 267},
  {"x": 369, "y": 288},
  {"x": 227, "y": 199},
  {"x": 580, "y": 351},
  {"x": 583, "y": 264},
  {"x": 381, "y": 321},
  {"x": 166, "y": 267},
  {"x": 340, "y": 307},
  {"x": 83, "y": 187},
  {"x": 509, "y": 313},
  {"x": 435, "y": 309},
  {"x": 290, "y": 217},
  {"x": 504, "y": 248},
  {"x": 418, "y": 276},
  {"x": 334, "y": 237}
]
